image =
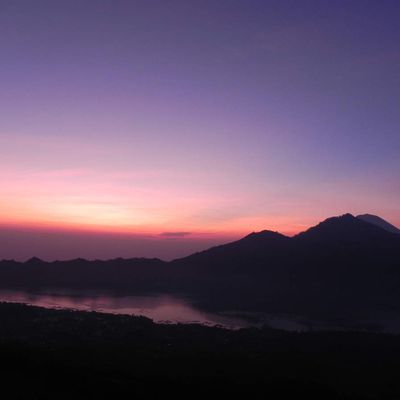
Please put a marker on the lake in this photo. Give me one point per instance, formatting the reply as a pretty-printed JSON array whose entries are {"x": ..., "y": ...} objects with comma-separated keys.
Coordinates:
[
  {"x": 160, "y": 308},
  {"x": 164, "y": 308}
]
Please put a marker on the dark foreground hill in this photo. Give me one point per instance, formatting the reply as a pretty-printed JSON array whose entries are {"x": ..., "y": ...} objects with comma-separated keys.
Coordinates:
[
  {"x": 54, "y": 354},
  {"x": 344, "y": 264}
]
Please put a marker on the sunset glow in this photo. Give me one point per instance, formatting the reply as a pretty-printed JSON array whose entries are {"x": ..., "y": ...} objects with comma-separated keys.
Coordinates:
[{"x": 206, "y": 135}]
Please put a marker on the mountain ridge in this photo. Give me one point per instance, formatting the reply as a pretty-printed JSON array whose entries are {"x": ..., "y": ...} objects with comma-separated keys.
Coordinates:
[
  {"x": 380, "y": 222},
  {"x": 340, "y": 264},
  {"x": 337, "y": 224}
]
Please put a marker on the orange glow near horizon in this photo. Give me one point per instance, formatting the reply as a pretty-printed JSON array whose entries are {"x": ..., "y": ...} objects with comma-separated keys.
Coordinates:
[
  {"x": 229, "y": 230},
  {"x": 197, "y": 203},
  {"x": 127, "y": 203},
  {"x": 186, "y": 141},
  {"x": 85, "y": 200}
]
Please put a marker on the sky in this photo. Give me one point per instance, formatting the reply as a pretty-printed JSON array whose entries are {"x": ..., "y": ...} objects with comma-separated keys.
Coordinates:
[{"x": 156, "y": 128}]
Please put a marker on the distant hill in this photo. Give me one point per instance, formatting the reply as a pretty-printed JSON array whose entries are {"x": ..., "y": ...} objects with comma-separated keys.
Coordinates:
[
  {"x": 378, "y": 221},
  {"x": 342, "y": 264}
]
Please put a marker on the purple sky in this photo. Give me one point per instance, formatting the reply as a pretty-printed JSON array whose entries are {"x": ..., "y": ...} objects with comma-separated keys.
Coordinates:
[{"x": 173, "y": 125}]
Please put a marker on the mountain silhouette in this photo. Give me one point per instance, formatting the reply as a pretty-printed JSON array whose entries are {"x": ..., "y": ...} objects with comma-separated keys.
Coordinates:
[
  {"x": 331, "y": 238},
  {"x": 244, "y": 254},
  {"x": 341, "y": 264},
  {"x": 345, "y": 228},
  {"x": 378, "y": 221}
]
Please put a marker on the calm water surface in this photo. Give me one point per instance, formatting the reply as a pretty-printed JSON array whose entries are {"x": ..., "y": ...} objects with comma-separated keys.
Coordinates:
[
  {"x": 160, "y": 308},
  {"x": 174, "y": 309}
]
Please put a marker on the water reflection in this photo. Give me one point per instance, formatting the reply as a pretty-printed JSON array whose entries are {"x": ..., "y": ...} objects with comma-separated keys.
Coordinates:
[
  {"x": 174, "y": 309},
  {"x": 160, "y": 308}
]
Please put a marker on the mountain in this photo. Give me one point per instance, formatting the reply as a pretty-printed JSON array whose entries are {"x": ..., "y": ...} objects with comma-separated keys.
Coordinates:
[
  {"x": 341, "y": 264},
  {"x": 245, "y": 254},
  {"x": 260, "y": 251},
  {"x": 378, "y": 221},
  {"x": 345, "y": 228}
]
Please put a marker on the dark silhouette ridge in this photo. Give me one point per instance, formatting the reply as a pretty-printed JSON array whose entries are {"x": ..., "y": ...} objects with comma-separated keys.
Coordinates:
[
  {"x": 345, "y": 228},
  {"x": 378, "y": 221},
  {"x": 265, "y": 234},
  {"x": 34, "y": 261},
  {"x": 340, "y": 265},
  {"x": 247, "y": 252}
]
